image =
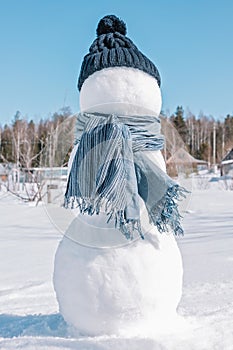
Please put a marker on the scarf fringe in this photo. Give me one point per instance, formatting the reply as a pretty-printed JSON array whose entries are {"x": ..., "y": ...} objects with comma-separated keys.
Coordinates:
[
  {"x": 92, "y": 207},
  {"x": 165, "y": 213}
]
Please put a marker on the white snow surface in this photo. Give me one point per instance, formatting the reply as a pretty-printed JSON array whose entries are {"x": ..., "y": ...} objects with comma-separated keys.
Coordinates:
[
  {"x": 29, "y": 316},
  {"x": 121, "y": 90}
]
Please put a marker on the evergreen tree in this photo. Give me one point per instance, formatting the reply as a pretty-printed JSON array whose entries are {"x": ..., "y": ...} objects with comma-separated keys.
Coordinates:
[
  {"x": 228, "y": 128},
  {"x": 179, "y": 123}
]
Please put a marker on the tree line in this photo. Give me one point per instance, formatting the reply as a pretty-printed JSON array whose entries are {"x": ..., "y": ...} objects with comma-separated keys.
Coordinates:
[
  {"x": 28, "y": 144},
  {"x": 205, "y": 137}
]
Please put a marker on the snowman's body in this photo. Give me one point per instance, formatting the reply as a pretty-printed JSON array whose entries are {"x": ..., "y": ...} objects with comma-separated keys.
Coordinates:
[{"x": 112, "y": 288}]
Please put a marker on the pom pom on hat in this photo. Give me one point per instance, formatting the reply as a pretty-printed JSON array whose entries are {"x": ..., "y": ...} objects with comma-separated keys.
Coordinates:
[
  {"x": 112, "y": 48},
  {"x": 111, "y": 24}
]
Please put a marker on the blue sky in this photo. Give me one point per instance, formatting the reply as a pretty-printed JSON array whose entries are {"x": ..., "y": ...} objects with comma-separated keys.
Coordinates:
[{"x": 43, "y": 43}]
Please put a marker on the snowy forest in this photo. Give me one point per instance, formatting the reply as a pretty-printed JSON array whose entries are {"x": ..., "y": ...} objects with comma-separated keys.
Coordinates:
[{"x": 23, "y": 141}]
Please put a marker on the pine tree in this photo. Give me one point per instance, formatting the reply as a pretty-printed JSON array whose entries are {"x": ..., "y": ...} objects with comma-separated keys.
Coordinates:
[{"x": 179, "y": 123}]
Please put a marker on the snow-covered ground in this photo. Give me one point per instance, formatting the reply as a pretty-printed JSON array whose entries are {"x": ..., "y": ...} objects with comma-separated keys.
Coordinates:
[{"x": 29, "y": 317}]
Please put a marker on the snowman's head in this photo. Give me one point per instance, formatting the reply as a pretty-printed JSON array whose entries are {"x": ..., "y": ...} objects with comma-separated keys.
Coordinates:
[{"x": 116, "y": 77}]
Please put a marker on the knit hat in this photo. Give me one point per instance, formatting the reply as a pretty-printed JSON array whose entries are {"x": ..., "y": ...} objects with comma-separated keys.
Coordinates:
[{"x": 112, "y": 48}]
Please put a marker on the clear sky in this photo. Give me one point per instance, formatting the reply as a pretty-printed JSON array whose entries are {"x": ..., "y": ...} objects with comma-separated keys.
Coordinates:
[{"x": 43, "y": 43}]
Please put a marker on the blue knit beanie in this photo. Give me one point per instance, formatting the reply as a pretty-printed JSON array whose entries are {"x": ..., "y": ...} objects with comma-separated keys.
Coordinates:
[{"x": 112, "y": 48}]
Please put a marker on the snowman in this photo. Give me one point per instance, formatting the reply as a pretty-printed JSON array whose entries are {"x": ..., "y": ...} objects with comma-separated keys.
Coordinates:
[{"x": 119, "y": 269}]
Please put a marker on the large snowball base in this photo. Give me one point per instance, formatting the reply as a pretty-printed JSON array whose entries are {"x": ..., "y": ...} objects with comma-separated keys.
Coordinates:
[{"x": 133, "y": 288}]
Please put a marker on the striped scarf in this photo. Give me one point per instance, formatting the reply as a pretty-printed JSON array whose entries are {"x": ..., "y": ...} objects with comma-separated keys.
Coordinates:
[{"x": 109, "y": 172}]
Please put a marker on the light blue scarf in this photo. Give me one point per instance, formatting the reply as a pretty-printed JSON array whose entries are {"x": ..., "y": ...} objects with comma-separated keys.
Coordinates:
[{"x": 109, "y": 172}]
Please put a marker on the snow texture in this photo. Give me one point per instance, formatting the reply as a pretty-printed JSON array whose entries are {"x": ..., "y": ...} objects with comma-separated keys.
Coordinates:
[
  {"x": 121, "y": 90},
  {"x": 29, "y": 317}
]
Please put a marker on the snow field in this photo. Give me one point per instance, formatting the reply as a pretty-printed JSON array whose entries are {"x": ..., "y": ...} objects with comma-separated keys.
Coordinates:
[{"x": 29, "y": 317}]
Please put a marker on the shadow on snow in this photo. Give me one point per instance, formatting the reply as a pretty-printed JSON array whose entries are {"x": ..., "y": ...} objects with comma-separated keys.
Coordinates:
[{"x": 32, "y": 325}]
